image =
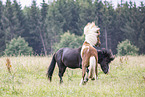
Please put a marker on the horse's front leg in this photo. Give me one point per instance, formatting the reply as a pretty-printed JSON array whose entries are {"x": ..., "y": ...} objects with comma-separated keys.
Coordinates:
[{"x": 83, "y": 75}]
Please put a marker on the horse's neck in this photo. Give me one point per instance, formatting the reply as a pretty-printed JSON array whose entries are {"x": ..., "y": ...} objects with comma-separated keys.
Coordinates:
[
  {"x": 80, "y": 48},
  {"x": 91, "y": 39}
]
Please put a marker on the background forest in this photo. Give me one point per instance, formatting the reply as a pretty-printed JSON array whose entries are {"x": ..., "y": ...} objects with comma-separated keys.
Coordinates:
[{"x": 44, "y": 28}]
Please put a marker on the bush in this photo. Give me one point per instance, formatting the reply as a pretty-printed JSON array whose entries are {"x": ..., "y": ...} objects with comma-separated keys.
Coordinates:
[
  {"x": 18, "y": 47},
  {"x": 126, "y": 48},
  {"x": 69, "y": 40}
]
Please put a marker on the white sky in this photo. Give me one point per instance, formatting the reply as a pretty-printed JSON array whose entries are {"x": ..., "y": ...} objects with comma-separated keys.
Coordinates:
[{"x": 114, "y": 2}]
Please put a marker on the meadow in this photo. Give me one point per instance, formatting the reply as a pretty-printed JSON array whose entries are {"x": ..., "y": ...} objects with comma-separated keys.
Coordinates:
[{"x": 28, "y": 79}]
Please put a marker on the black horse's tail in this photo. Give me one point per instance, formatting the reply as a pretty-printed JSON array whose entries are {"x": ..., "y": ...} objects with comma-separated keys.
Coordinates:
[{"x": 51, "y": 68}]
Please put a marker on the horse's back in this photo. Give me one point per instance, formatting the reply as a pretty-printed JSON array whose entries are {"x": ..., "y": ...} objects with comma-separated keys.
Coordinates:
[{"x": 71, "y": 57}]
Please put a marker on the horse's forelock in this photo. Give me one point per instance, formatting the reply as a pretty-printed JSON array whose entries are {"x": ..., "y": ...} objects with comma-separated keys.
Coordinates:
[
  {"x": 107, "y": 53},
  {"x": 90, "y": 26}
]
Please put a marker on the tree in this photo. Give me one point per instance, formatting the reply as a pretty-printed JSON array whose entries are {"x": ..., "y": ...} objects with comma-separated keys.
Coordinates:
[
  {"x": 2, "y": 35},
  {"x": 10, "y": 22},
  {"x": 133, "y": 29},
  {"x": 54, "y": 24},
  {"x": 107, "y": 23},
  {"x": 120, "y": 17},
  {"x": 43, "y": 26},
  {"x": 69, "y": 9},
  {"x": 18, "y": 46},
  {"x": 43, "y": 32},
  {"x": 33, "y": 37},
  {"x": 44, "y": 10},
  {"x": 86, "y": 12},
  {"x": 21, "y": 18},
  {"x": 141, "y": 40},
  {"x": 98, "y": 9}
]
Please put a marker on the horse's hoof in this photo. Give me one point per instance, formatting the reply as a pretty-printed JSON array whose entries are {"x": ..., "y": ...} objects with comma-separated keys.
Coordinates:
[
  {"x": 86, "y": 80},
  {"x": 93, "y": 78},
  {"x": 49, "y": 78},
  {"x": 61, "y": 82},
  {"x": 82, "y": 83}
]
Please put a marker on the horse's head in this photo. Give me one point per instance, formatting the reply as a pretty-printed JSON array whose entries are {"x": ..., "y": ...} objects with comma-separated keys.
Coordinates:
[
  {"x": 92, "y": 33},
  {"x": 105, "y": 57}
]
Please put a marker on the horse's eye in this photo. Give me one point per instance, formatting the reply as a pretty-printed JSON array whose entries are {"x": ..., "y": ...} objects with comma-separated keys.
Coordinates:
[
  {"x": 98, "y": 33},
  {"x": 109, "y": 61}
]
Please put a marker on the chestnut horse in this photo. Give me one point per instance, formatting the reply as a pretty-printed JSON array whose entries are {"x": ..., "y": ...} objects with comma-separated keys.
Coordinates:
[{"x": 88, "y": 52}]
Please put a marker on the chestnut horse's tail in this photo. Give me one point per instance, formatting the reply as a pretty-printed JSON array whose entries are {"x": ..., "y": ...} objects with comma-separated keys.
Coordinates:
[
  {"x": 92, "y": 67},
  {"x": 51, "y": 68}
]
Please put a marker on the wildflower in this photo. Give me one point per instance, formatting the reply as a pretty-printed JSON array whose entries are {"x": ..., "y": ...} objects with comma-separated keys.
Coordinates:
[
  {"x": 121, "y": 59},
  {"x": 8, "y": 64}
]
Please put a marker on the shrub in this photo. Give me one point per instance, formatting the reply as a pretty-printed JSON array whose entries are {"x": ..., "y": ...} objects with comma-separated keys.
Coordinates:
[
  {"x": 69, "y": 40},
  {"x": 18, "y": 47},
  {"x": 126, "y": 48}
]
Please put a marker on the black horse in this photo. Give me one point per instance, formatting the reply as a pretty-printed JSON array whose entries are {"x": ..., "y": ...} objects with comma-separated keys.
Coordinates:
[{"x": 68, "y": 57}]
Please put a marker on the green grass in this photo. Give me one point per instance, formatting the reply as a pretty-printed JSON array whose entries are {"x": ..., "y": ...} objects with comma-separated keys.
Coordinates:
[{"x": 125, "y": 79}]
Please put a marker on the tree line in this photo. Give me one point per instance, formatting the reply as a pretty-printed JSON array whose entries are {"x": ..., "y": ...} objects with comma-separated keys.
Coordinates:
[{"x": 43, "y": 26}]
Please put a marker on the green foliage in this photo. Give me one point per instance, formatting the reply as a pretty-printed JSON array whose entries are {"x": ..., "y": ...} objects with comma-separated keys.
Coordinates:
[
  {"x": 19, "y": 15},
  {"x": 126, "y": 48},
  {"x": 2, "y": 42},
  {"x": 141, "y": 41},
  {"x": 11, "y": 23},
  {"x": 44, "y": 10},
  {"x": 42, "y": 26},
  {"x": 33, "y": 36},
  {"x": 2, "y": 34},
  {"x": 69, "y": 40},
  {"x": 18, "y": 47}
]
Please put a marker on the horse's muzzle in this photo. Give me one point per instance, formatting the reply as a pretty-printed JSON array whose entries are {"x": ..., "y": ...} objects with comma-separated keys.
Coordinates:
[{"x": 107, "y": 72}]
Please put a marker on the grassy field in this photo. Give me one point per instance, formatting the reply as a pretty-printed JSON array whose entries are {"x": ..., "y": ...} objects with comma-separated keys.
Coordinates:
[{"x": 28, "y": 79}]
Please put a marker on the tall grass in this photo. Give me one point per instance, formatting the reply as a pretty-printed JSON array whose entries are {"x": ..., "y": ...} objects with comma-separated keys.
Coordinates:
[{"x": 125, "y": 79}]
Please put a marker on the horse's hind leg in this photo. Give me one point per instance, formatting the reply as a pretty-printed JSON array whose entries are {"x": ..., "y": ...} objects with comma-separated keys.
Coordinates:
[
  {"x": 96, "y": 71},
  {"x": 86, "y": 77},
  {"x": 92, "y": 67},
  {"x": 61, "y": 72},
  {"x": 83, "y": 75}
]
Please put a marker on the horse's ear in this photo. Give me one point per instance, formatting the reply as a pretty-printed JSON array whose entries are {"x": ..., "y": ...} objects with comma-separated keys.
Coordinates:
[
  {"x": 110, "y": 50},
  {"x": 88, "y": 24},
  {"x": 104, "y": 51},
  {"x": 93, "y": 24}
]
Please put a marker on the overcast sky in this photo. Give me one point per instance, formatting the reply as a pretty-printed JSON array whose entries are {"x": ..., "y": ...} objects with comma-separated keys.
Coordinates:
[{"x": 114, "y": 2}]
